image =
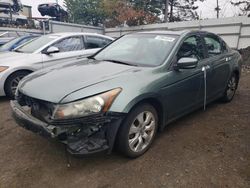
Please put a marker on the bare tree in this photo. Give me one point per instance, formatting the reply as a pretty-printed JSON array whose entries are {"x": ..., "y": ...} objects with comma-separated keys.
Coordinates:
[{"x": 244, "y": 6}]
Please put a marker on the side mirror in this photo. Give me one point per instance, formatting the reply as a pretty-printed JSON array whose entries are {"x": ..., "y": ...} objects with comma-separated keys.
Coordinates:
[
  {"x": 187, "y": 63},
  {"x": 52, "y": 50}
]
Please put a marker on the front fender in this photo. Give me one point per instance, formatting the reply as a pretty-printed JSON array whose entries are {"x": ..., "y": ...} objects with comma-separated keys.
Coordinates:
[
  {"x": 4, "y": 75},
  {"x": 10, "y": 71},
  {"x": 141, "y": 98},
  {"x": 152, "y": 98}
]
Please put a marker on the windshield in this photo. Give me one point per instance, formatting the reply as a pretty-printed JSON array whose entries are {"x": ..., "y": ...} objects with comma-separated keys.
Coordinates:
[
  {"x": 8, "y": 45},
  {"x": 36, "y": 44},
  {"x": 139, "y": 49}
]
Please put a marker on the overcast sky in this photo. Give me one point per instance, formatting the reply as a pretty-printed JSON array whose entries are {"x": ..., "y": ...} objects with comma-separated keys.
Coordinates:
[{"x": 206, "y": 9}]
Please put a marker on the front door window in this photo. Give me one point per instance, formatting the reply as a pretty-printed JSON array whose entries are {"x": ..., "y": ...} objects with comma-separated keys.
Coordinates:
[
  {"x": 191, "y": 47},
  {"x": 69, "y": 44}
]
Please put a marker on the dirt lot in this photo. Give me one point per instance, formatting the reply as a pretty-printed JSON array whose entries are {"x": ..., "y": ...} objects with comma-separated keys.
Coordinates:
[{"x": 204, "y": 149}]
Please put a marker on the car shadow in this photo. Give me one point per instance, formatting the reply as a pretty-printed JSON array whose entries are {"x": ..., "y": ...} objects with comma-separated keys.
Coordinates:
[
  {"x": 4, "y": 99},
  {"x": 116, "y": 157},
  {"x": 198, "y": 115}
]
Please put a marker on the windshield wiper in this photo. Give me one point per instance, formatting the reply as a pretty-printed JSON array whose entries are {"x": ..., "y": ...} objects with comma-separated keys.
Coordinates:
[
  {"x": 91, "y": 57},
  {"x": 120, "y": 62},
  {"x": 18, "y": 51}
]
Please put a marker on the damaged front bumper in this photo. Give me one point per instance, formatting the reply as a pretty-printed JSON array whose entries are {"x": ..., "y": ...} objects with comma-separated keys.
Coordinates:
[{"x": 82, "y": 136}]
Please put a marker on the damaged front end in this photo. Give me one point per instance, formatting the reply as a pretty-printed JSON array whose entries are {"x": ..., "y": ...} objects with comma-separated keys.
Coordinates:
[{"x": 87, "y": 135}]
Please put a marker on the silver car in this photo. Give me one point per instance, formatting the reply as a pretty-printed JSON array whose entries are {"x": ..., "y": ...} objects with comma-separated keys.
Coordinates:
[
  {"x": 8, "y": 36},
  {"x": 45, "y": 51}
]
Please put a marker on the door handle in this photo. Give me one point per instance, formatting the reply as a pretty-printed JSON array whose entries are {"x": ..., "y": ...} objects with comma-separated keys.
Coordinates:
[
  {"x": 228, "y": 59},
  {"x": 205, "y": 68}
]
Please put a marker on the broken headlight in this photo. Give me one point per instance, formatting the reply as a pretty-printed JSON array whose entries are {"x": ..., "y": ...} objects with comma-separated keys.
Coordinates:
[{"x": 85, "y": 107}]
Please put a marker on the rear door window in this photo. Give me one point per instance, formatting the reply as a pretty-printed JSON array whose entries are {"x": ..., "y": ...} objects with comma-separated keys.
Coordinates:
[
  {"x": 225, "y": 48},
  {"x": 95, "y": 42},
  {"x": 213, "y": 45}
]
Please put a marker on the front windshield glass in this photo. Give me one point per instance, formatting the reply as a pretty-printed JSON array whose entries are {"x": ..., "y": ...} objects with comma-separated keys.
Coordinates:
[
  {"x": 36, "y": 44},
  {"x": 139, "y": 49},
  {"x": 8, "y": 45}
]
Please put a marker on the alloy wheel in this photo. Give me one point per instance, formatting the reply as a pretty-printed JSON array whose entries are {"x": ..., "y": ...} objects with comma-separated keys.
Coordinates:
[
  {"x": 15, "y": 83},
  {"x": 141, "y": 131},
  {"x": 231, "y": 87}
]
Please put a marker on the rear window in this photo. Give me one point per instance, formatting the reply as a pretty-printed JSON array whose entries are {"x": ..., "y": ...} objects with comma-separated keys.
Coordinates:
[{"x": 96, "y": 42}]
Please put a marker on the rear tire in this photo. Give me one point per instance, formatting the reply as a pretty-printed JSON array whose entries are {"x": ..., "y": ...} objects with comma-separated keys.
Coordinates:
[
  {"x": 231, "y": 88},
  {"x": 138, "y": 130},
  {"x": 12, "y": 82}
]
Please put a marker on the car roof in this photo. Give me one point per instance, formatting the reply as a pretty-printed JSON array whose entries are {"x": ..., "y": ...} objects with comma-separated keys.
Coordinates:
[
  {"x": 66, "y": 34},
  {"x": 167, "y": 32},
  {"x": 176, "y": 32}
]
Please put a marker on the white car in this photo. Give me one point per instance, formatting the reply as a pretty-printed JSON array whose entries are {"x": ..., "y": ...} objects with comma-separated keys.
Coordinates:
[
  {"x": 8, "y": 36},
  {"x": 45, "y": 51}
]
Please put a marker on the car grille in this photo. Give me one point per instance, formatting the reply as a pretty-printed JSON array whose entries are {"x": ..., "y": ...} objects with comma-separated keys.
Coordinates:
[
  {"x": 40, "y": 109},
  {"x": 97, "y": 119}
]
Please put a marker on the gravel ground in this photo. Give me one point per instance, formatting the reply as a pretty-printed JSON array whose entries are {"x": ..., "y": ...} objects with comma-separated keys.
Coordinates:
[{"x": 203, "y": 149}]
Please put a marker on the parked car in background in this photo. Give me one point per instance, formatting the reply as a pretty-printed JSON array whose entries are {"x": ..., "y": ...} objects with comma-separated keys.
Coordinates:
[
  {"x": 11, "y": 45},
  {"x": 52, "y": 9},
  {"x": 15, "y": 5},
  {"x": 128, "y": 91},
  {"x": 13, "y": 18},
  {"x": 45, "y": 51},
  {"x": 8, "y": 36}
]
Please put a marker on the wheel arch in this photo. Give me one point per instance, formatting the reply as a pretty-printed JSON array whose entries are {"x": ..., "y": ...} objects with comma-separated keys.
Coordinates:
[
  {"x": 155, "y": 102},
  {"x": 237, "y": 73},
  {"x": 158, "y": 107},
  {"x": 14, "y": 72}
]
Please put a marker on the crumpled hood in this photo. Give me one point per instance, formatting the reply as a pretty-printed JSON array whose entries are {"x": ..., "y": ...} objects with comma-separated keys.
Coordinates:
[
  {"x": 55, "y": 83},
  {"x": 6, "y": 58}
]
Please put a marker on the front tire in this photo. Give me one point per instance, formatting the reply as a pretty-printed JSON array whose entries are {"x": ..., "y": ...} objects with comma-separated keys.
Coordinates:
[
  {"x": 231, "y": 88},
  {"x": 12, "y": 83},
  {"x": 138, "y": 131}
]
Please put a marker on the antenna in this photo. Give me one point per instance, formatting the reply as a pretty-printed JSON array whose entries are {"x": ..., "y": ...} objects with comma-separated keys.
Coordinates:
[
  {"x": 166, "y": 11},
  {"x": 217, "y": 9},
  {"x": 200, "y": 20}
]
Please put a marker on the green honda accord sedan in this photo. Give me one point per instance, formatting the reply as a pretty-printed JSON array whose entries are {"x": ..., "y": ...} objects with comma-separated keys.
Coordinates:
[{"x": 128, "y": 91}]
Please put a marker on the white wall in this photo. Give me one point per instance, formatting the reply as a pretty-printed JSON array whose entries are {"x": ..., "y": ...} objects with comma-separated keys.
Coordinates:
[
  {"x": 56, "y": 27},
  {"x": 235, "y": 30}
]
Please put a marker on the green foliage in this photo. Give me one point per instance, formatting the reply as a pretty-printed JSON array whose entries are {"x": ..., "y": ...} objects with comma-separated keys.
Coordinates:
[
  {"x": 85, "y": 11},
  {"x": 179, "y": 9},
  {"x": 150, "y": 6},
  {"x": 131, "y": 12}
]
